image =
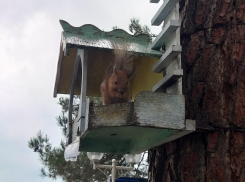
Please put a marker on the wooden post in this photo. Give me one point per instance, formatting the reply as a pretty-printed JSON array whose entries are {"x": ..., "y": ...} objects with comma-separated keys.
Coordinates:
[
  {"x": 82, "y": 105},
  {"x": 81, "y": 59},
  {"x": 169, "y": 38}
]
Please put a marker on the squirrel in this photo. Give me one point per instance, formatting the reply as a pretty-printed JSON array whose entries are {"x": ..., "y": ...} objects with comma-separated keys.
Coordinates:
[{"x": 115, "y": 86}]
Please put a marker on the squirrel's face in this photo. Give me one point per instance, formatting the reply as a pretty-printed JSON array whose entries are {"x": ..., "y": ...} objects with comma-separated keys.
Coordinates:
[{"x": 120, "y": 81}]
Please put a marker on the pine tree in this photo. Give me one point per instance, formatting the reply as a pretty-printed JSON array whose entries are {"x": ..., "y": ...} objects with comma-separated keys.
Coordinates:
[
  {"x": 54, "y": 164},
  {"x": 213, "y": 60},
  {"x": 136, "y": 28}
]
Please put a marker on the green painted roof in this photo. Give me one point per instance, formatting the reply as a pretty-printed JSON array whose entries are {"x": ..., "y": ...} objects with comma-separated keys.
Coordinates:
[{"x": 89, "y": 36}]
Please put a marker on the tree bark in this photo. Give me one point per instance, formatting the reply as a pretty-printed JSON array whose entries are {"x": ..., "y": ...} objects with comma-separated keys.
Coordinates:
[{"x": 212, "y": 39}]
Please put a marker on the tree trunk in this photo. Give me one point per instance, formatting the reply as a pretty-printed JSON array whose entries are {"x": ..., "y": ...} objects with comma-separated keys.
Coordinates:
[{"x": 212, "y": 38}]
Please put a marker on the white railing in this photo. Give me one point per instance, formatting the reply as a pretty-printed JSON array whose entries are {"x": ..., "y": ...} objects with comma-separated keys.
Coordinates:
[{"x": 168, "y": 41}]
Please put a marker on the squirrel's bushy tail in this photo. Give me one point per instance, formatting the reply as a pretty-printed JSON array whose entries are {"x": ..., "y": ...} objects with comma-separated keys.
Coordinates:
[{"x": 123, "y": 60}]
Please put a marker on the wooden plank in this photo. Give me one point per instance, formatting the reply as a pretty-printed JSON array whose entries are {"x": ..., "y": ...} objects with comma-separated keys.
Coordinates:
[
  {"x": 91, "y": 37},
  {"x": 153, "y": 118},
  {"x": 166, "y": 58},
  {"x": 157, "y": 109},
  {"x": 154, "y": 1},
  {"x": 190, "y": 125},
  {"x": 145, "y": 111},
  {"x": 154, "y": 141},
  {"x": 166, "y": 32},
  {"x": 171, "y": 16},
  {"x": 89, "y": 108},
  {"x": 163, "y": 12},
  {"x": 82, "y": 106},
  {"x": 175, "y": 88},
  {"x": 61, "y": 55},
  {"x": 110, "y": 115},
  {"x": 130, "y": 139},
  {"x": 122, "y": 139},
  {"x": 139, "y": 145},
  {"x": 168, "y": 80},
  {"x": 103, "y": 145},
  {"x": 75, "y": 128},
  {"x": 70, "y": 127}
]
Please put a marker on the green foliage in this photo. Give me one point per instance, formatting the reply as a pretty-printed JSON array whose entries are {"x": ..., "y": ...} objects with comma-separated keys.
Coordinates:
[
  {"x": 115, "y": 27},
  {"x": 136, "y": 28},
  {"x": 54, "y": 164}
]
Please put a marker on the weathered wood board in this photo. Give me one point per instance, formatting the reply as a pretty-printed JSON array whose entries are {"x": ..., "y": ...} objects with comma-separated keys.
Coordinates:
[
  {"x": 160, "y": 110},
  {"x": 168, "y": 80},
  {"x": 152, "y": 119},
  {"x": 89, "y": 36},
  {"x": 149, "y": 109},
  {"x": 163, "y": 12},
  {"x": 170, "y": 27},
  {"x": 170, "y": 61},
  {"x": 167, "y": 58}
]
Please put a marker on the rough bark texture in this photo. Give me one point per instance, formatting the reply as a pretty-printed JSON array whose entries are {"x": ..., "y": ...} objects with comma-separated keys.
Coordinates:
[{"x": 212, "y": 37}]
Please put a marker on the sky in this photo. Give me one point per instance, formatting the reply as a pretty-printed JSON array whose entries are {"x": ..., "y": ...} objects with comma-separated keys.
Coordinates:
[{"x": 29, "y": 46}]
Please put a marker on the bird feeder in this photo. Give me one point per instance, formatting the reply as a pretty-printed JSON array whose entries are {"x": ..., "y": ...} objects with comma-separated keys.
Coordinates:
[{"x": 151, "y": 119}]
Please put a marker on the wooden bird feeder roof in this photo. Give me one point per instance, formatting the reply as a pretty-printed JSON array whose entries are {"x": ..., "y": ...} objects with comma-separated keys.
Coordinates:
[{"x": 98, "y": 45}]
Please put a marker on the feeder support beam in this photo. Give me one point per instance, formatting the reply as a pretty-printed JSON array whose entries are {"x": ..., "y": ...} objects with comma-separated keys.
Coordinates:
[{"x": 81, "y": 59}]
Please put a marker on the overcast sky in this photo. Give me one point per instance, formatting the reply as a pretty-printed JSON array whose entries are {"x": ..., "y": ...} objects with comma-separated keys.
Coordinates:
[{"x": 29, "y": 43}]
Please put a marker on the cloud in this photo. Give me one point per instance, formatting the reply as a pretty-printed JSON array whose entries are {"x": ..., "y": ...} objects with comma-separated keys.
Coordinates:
[{"x": 28, "y": 64}]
